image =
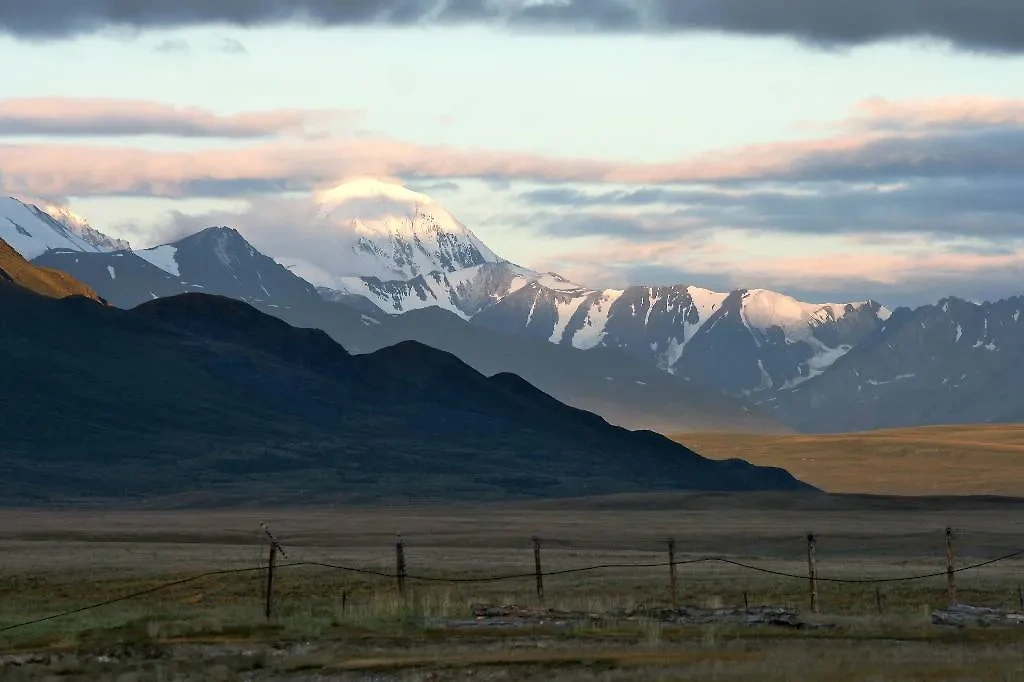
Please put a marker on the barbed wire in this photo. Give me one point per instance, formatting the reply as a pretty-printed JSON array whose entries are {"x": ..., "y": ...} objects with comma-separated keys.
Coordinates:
[
  {"x": 501, "y": 577},
  {"x": 136, "y": 595}
]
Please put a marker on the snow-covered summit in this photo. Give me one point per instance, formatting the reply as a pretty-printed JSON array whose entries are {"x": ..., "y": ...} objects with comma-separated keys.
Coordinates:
[
  {"x": 81, "y": 227},
  {"x": 389, "y": 232},
  {"x": 763, "y": 309},
  {"x": 31, "y": 231}
]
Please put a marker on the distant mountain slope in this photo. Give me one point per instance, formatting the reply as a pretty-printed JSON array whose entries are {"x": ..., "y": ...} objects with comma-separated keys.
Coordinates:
[
  {"x": 624, "y": 390},
  {"x": 742, "y": 342},
  {"x": 950, "y": 363},
  {"x": 216, "y": 260},
  {"x": 233, "y": 403},
  {"x": 123, "y": 278},
  {"x": 17, "y": 272}
]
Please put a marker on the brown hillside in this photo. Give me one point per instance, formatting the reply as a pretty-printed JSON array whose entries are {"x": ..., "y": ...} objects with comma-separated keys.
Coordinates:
[
  {"x": 975, "y": 459},
  {"x": 17, "y": 271}
]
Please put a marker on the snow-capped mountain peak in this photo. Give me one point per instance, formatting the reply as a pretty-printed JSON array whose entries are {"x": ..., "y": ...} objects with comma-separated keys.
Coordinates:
[
  {"x": 30, "y": 231},
  {"x": 389, "y": 232},
  {"x": 763, "y": 309},
  {"x": 81, "y": 227}
]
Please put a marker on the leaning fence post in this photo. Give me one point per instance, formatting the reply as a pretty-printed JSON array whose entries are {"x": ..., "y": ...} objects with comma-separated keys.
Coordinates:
[
  {"x": 400, "y": 564},
  {"x": 812, "y": 571},
  {"x": 275, "y": 547},
  {"x": 269, "y": 606},
  {"x": 537, "y": 568},
  {"x": 672, "y": 572},
  {"x": 950, "y": 573}
]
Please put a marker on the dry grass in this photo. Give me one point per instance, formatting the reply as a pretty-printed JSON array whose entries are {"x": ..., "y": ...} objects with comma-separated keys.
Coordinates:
[
  {"x": 985, "y": 459},
  {"x": 214, "y": 629}
]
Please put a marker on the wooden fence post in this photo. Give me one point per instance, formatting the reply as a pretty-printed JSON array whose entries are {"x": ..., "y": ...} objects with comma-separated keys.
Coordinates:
[
  {"x": 950, "y": 573},
  {"x": 275, "y": 547},
  {"x": 537, "y": 569},
  {"x": 1020, "y": 596},
  {"x": 400, "y": 564},
  {"x": 812, "y": 571},
  {"x": 672, "y": 572},
  {"x": 746, "y": 602},
  {"x": 269, "y": 606},
  {"x": 878, "y": 598}
]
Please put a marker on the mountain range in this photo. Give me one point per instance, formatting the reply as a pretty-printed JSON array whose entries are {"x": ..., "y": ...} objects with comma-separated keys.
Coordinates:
[
  {"x": 669, "y": 358},
  {"x": 200, "y": 399}
]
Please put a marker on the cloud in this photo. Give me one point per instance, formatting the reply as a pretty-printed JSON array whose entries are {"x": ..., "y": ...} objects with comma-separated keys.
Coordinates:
[
  {"x": 986, "y": 25},
  {"x": 232, "y": 46},
  {"x": 93, "y": 169},
  {"x": 941, "y": 113},
  {"x": 982, "y": 207},
  {"x": 982, "y": 159},
  {"x": 432, "y": 187},
  {"x": 633, "y": 228},
  {"x": 912, "y": 277},
  {"x": 82, "y": 117},
  {"x": 284, "y": 227},
  {"x": 173, "y": 46}
]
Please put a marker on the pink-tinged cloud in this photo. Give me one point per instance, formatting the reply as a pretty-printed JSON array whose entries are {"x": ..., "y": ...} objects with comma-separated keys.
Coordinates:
[
  {"x": 80, "y": 169},
  {"x": 923, "y": 269},
  {"x": 84, "y": 117},
  {"x": 878, "y": 113},
  {"x": 879, "y": 268},
  {"x": 932, "y": 139}
]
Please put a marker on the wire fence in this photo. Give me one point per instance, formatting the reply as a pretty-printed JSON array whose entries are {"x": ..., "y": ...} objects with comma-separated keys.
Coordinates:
[{"x": 400, "y": 575}]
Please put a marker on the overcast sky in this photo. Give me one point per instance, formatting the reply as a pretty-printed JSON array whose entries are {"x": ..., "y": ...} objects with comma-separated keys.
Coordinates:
[{"x": 832, "y": 150}]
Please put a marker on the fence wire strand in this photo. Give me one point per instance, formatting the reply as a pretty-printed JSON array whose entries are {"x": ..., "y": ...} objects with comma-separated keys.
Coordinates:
[{"x": 504, "y": 577}]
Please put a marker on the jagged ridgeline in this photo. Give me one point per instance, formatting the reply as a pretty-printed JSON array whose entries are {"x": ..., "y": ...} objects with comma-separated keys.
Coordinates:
[{"x": 670, "y": 358}]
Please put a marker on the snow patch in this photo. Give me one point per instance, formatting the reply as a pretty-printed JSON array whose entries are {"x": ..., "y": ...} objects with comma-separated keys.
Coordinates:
[
  {"x": 162, "y": 257},
  {"x": 565, "y": 308},
  {"x": 592, "y": 332}
]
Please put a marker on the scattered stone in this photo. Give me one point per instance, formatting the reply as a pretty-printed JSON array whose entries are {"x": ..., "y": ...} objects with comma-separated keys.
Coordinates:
[
  {"x": 964, "y": 615},
  {"x": 489, "y": 616}
]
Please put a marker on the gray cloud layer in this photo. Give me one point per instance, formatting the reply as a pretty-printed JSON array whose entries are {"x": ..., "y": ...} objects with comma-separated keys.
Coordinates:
[
  {"x": 990, "y": 208},
  {"x": 987, "y": 25}
]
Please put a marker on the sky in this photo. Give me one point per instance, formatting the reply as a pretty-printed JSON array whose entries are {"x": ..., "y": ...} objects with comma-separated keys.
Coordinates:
[{"x": 831, "y": 150}]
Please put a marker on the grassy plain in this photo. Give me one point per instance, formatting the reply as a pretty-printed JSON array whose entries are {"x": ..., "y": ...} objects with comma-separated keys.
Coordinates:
[
  {"x": 975, "y": 459},
  {"x": 331, "y": 624}
]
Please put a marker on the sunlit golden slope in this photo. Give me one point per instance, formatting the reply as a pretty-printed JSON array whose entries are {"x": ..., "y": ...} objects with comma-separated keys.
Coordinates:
[{"x": 955, "y": 460}]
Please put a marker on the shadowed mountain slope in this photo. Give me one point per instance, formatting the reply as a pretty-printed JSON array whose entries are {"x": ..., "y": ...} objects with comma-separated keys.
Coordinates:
[{"x": 204, "y": 394}]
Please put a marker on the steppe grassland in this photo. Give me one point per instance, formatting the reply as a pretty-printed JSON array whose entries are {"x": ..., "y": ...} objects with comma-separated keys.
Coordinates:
[{"x": 343, "y": 625}]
